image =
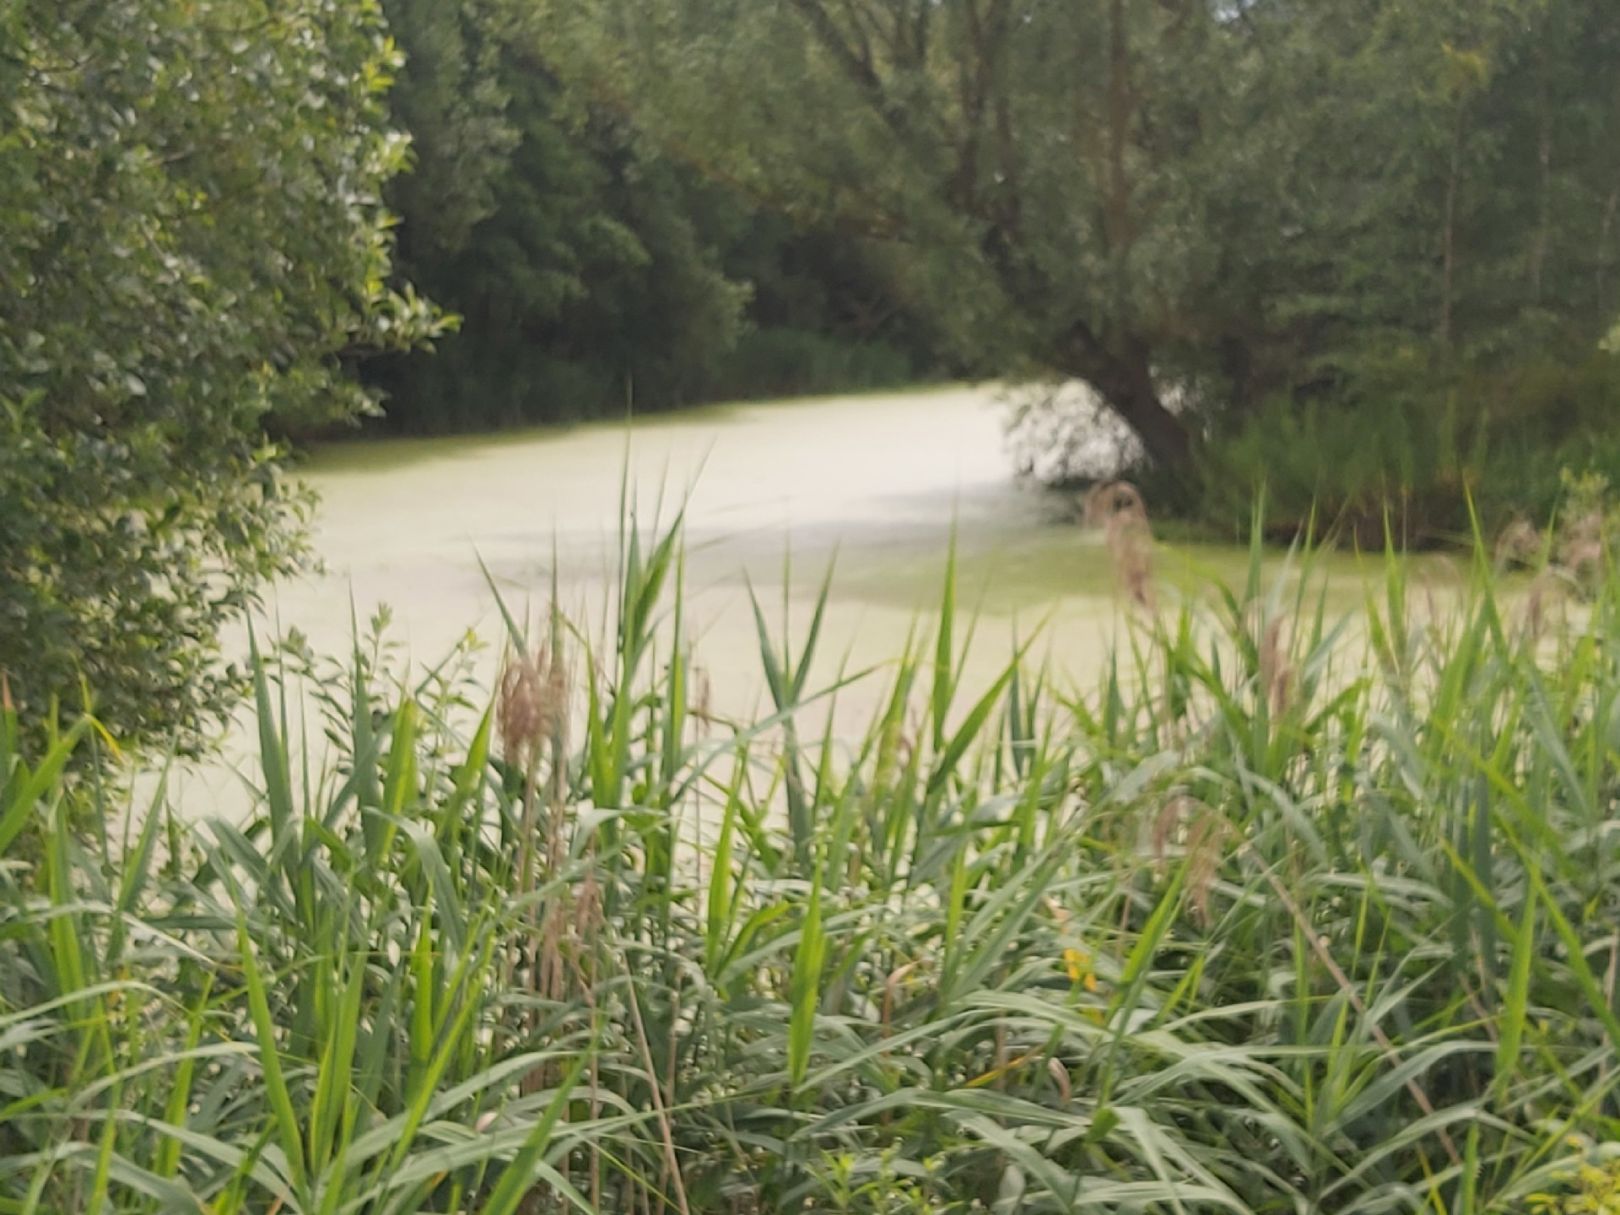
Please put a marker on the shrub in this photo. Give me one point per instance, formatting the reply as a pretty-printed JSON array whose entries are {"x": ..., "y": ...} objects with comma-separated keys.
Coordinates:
[
  {"x": 1592, "y": 1187},
  {"x": 1417, "y": 448},
  {"x": 474, "y": 382},
  {"x": 192, "y": 239},
  {"x": 477, "y": 382},
  {"x": 776, "y": 362}
]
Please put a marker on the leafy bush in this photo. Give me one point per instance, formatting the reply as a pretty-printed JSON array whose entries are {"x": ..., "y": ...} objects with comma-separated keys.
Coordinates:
[
  {"x": 1418, "y": 447},
  {"x": 192, "y": 239},
  {"x": 1592, "y": 1187},
  {"x": 476, "y": 382},
  {"x": 479, "y": 381},
  {"x": 1283, "y": 915}
]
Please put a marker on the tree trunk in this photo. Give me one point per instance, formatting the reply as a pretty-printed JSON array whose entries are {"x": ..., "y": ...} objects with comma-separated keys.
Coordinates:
[
  {"x": 1125, "y": 383},
  {"x": 1164, "y": 436}
]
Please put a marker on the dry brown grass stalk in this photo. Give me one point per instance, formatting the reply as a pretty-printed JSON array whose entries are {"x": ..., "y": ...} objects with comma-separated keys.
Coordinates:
[
  {"x": 1276, "y": 671},
  {"x": 1119, "y": 509},
  {"x": 1203, "y": 834},
  {"x": 655, "y": 1088},
  {"x": 531, "y": 712}
]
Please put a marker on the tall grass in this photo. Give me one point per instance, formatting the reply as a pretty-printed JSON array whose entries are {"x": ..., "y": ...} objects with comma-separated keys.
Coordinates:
[{"x": 1288, "y": 914}]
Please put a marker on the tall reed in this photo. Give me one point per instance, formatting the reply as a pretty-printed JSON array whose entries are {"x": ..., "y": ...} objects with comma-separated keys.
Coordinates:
[{"x": 1287, "y": 914}]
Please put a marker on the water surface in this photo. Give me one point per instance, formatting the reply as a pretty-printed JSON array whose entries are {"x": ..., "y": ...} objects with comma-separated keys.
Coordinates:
[{"x": 876, "y": 487}]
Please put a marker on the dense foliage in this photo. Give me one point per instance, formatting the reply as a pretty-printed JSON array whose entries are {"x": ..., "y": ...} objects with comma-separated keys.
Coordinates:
[
  {"x": 1280, "y": 917},
  {"x": 1452, "y": 263},
  {"x": 192, "y": 240},
  {"x": 594, "y": 271},
  {"x": 1287, "y": 915},
  {"x": 1214, "y": 214}
]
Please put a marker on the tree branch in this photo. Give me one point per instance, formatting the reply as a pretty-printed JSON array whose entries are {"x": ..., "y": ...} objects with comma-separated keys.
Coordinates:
[{"x": 862, "y": 73}]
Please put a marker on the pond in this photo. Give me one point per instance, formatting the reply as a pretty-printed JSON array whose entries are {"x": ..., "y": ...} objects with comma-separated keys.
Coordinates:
[{"x": 874, "y": 487}]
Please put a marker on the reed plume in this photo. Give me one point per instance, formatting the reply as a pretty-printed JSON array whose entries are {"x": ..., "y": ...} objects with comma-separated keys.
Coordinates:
[
  {"x": 1276, "y": 672},
  {"x": 1580, "y": 549},
  {"x": 1203, "y": 833},
  {"x": 1119, "y": 509}
]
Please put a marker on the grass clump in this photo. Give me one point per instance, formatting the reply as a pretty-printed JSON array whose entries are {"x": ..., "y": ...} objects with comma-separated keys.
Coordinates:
[{"x": 1287, "y": 914}]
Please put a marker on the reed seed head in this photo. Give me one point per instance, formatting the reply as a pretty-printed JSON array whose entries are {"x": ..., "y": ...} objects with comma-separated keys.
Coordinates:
[
  {"x": 1167, "y": 826},
  {"x": 1276, "y": 673},
  {"x": 1206, "y": 841},
  {"x": 1203, "y": 833},
  {"x": 1580, "y": 550},
  {"x": 1108, "y": 499},
  {"x": 702, "y": 699},
  {"x": 588, "y": 915},
  {"x": 1519, "y": 544},
  {"x": 1119, "y": 509},
  {"x": 532, "y": 702}
]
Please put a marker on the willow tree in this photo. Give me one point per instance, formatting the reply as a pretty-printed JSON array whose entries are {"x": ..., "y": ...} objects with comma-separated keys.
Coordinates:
[
  {"x": 1192, "y": 205},
  {"x": 1061, "y": 175}
]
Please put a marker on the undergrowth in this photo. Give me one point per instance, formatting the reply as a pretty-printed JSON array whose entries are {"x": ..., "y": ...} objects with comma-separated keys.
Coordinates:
[{"x": 1287, "y": 914}]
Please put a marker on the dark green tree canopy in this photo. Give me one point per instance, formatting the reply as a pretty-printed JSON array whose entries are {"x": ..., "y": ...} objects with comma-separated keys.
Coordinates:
[
  {"x": 1211, "y": 201},
  {"x": 591, "y": 268}
]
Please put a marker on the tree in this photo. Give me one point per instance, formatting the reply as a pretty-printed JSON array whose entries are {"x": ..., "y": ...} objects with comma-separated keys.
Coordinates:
[
  {"x": 1428, "y": 298},
  {"x": 577, "y": 260},
  {"x": 1046, "y": 161},
  {"x": 193, "y": 242},
  {"x": 452, "y": 98},
  {"x": 1224, "y": 200},
  {"x": 591, "y": 266}
]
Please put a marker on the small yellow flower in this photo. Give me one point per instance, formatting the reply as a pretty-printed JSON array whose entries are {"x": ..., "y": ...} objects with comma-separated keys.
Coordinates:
[
  {"x": 1078, "y": 963},
  {"x": 1074, "y": 960}
]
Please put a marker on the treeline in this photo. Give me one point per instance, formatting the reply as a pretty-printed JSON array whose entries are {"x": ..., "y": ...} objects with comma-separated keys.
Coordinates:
[
  {"x": 1364, "y": 251},
  {"x": 592, "y": 269}
]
